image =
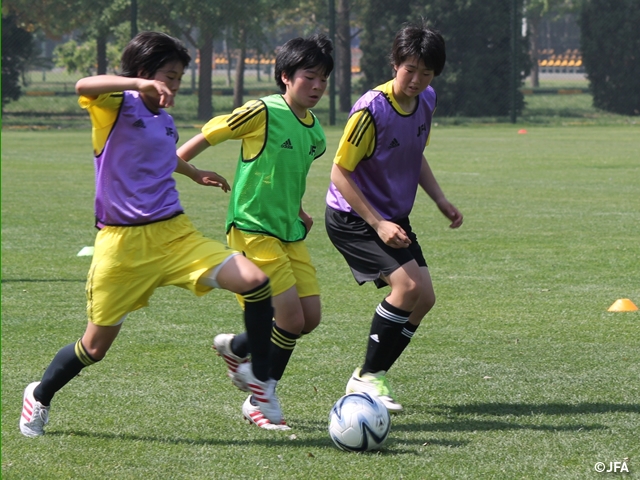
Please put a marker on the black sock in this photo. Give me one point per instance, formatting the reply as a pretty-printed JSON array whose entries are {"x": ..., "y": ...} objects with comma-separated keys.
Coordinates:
[
  {"x": 282, "y": 345},
  {"x": 386, "y": 327},
  {"x": 258, "y": 316},
  {"x": 63, "y": 368},
  {"x": 403, "y": 340},
  {"x": 240, "y": 345}
]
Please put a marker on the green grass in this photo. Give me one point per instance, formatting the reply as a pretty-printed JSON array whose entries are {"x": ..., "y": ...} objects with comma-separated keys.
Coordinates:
[{"x": 518, "y": 372}]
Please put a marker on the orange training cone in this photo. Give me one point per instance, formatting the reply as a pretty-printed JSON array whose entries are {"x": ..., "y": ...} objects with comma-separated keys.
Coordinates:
[
  {"x": 522, "y": 131},
  {"x": 622, "y": 305}
]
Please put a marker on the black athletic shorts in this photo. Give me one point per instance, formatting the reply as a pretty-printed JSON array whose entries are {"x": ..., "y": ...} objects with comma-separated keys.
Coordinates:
[{"x": 367, "y": 255}]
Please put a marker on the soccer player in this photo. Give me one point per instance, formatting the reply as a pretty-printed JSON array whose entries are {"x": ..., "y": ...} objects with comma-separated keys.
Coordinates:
[
  {"x": 377, "y": 169},
  {"x": 280, "y": 137},
  {"x": 145, "y": 240}
]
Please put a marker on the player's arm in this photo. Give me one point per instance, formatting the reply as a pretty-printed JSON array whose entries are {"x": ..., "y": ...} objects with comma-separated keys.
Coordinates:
[
  {"x": 92, "y": 87},
  {"x": 244, "y": 122},
  {"x": 203, "y": 177},
  {"x": 193, "y": 147},
  {"x": 358, "y": 142},
  {"x": 306, "y": 218},
  {"x": 430, "y": 185}
]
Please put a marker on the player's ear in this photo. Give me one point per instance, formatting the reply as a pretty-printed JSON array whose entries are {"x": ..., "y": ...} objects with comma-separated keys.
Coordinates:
[{"x": 285, "y": 78}]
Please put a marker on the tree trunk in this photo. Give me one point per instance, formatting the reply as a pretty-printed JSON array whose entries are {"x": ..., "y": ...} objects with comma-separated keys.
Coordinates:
[
  {"x": 343, "y": 54},
  {"x": 238, "y": 88},
  {"x": 205, "y": 104},
  {"x": 227, "y": 52},
  {"x": 533, "y": 25},
  {"x": 101, "y": 43}
]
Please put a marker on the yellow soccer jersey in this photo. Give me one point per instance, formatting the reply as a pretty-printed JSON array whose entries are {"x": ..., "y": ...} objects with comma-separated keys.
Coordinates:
[
  {"x": 359, "y": 138},
  {"x": 103, "y": 111},
  {"x": 246, "y": 123}
]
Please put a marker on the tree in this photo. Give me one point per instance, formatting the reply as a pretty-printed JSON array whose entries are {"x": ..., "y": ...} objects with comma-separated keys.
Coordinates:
[
  {"x": 610, "y": 44},
  {"x": 477, "y": 77},
  {"x": 95, "y": 19},
  {"x": 478, "y": 37},
  {"x": 381, "y": 19},
  {"x": 534, "y": 12},
  {"x": 17, "y": 48},
  {"x": 199, "y": 23},
  {"x": 343, "y": 54}
]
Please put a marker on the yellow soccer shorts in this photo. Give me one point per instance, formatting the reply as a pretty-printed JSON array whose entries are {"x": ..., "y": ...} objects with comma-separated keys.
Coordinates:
[
  {"x": 285, "y": 263},
  {"x": 129, "y": 263}
]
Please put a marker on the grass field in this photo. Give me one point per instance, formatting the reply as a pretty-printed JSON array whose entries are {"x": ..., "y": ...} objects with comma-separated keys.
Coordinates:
[{"x": 518, "y": 372}]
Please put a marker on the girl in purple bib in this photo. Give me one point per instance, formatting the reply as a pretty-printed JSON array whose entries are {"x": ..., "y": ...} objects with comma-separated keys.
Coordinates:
[{"x": 374, "y": 180}]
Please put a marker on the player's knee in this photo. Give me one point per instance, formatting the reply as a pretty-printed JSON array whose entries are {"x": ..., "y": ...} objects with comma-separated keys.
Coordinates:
[
  {"x": 412, "y": 291},
  {"x": 253, "y": 277},
  {"x": 428, "y": 301},
  {"x": 91, "y": 354},
  {"x": 310, "y": 324}
]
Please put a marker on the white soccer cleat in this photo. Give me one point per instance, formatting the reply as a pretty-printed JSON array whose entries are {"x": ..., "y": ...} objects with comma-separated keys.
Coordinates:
[
  {"x": 264, "y": 393},
  {"x": 34, "y": 415},
  {"x": 222, "y": 345},
  {"x": 253, "y": 414},
  {"x": 374, "y": 384}
]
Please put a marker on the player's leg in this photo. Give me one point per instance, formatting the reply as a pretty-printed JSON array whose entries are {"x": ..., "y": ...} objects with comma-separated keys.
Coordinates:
[
  {"x": 297, "y": 309},
  {"x": 239, "y": 275},
  {"x": 65, "y": 366},
  {"x": 111, "y": 293},
  {"x": 371, "y": 260},
  {"x": 423, "y": 306},
  {"x": 392, "y": 315},
  {"x": 289, "y": 268}
]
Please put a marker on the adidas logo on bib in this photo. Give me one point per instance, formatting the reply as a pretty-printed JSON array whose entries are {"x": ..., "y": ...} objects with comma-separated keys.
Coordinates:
[
  {"x": 394, "y": 143},
  {"x": 287, "y": 144}
]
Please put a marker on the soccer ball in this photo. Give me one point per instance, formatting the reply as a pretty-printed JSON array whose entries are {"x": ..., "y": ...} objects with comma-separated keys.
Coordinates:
[{"x": 359, "y": 422}]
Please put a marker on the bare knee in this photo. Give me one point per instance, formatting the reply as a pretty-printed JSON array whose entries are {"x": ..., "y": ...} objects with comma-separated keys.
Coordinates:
[
  {"x": 239, "y": 275},
  {"x": 406, "y": 295}
]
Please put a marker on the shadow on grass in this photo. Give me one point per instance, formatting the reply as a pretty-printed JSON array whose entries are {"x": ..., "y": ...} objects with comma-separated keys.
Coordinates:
[
  {"x": 490, "y": 425},
  {"x": 529, "y": 409},
  {"x": 275, "y": 439},
  {"x": 457, "y": 421}
]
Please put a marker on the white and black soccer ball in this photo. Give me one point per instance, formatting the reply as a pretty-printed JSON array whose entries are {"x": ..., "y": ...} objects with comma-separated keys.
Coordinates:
[{"x": 359, "y": 422}]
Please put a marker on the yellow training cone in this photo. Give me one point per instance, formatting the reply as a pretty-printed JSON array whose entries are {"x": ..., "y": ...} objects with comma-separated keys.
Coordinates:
[{"x": 622, "y": 305}]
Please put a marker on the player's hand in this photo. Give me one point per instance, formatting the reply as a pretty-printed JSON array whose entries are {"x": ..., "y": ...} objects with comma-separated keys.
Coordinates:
[
  {"x": 212, "y": 179},
  {"x": 392, "y": 234},
  {"x": 159, "y": 90},
  {"x": 451, "y": 212},
  {"x": 307, "y": 219}
]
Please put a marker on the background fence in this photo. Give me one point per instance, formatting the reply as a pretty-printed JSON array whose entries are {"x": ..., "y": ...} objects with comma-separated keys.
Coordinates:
[{"x": 533, "y": 60}]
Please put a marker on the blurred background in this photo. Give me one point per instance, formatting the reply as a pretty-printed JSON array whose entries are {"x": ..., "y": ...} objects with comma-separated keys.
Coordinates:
[{"x": 536, "y": 61}]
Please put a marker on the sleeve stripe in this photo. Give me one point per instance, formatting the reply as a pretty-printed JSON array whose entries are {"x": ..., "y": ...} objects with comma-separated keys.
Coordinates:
[
  {"x": 238, "y": 119},
  {"x": 360, "y": 128}
]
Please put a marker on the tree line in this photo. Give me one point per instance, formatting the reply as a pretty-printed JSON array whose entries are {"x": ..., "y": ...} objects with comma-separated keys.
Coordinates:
[{"x": 488, "y": 52}]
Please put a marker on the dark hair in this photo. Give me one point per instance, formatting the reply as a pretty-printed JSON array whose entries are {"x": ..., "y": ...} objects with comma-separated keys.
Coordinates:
[
  {"x": 147, "y": 52},
  {"x": 419, "y": 41},
  {"x": 301, "y": 53}
]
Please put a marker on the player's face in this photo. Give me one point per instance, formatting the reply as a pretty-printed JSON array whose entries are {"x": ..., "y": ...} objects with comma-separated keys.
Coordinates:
[
  {"x": 171, "y": 75},
  {"x": 304, "y": 89},
  {"x": 412, "y": 78}
]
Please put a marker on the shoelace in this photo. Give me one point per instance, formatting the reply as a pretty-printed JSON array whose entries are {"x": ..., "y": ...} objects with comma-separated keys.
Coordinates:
[{"x": 41, "y": 412}]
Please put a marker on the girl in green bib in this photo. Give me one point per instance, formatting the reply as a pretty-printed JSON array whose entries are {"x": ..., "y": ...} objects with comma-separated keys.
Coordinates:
[{"x": 281, "y": 138}]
